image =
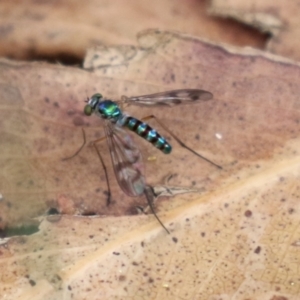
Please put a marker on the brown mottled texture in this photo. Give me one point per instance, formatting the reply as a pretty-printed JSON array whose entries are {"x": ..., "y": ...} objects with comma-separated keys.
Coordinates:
[
  {"x": 63, "y": 30},
  {"x": 216, "y": 249},
  {"x": 279, "y": 18}
]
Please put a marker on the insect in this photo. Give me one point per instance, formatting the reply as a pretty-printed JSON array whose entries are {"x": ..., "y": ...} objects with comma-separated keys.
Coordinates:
[{"x": 125, "y": 155}]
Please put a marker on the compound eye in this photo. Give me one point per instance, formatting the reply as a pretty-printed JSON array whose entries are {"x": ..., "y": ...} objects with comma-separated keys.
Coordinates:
[
  {"x": 97, "y": 96},
  {"x": 88, "y": 110}
]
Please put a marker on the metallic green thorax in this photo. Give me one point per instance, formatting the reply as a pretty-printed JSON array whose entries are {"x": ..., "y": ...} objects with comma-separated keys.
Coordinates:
[
  {"x": 106, "y": 109},
  {"x": 109, "y": 110}
]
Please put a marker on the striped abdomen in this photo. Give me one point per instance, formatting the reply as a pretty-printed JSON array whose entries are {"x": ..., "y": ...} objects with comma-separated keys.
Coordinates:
[{"x": 148, "y": 133}]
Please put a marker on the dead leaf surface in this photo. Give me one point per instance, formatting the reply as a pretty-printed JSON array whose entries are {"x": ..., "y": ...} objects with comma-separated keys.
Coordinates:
[
  {"x": 280, "y": 18},
  {"x": 238, "y": 240},
  {"x": 67, "y": 28}
]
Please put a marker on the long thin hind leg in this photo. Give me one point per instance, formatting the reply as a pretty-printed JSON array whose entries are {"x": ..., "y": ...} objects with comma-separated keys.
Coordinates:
[
  {"x": 105, "y": 170},
  {"x": 149, "y": 193},
  {"x": 178, "y": 140},
  {"x": 101, "y": 160}
]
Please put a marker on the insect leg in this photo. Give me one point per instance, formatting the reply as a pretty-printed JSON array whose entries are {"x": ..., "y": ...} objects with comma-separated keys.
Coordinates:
[
  {"x": 101, "y": 160},
  {"x": 149, "y": 193},
  {"x": 80, "y": 148},
  {"x": 178, "y": 140},
  {"x": 105, "y": 170}
]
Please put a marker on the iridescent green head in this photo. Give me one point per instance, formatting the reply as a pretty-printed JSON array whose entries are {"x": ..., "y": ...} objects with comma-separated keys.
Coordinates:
[
  {"x": 92, "y": 104},
  {"x": 105, "y": 109}
]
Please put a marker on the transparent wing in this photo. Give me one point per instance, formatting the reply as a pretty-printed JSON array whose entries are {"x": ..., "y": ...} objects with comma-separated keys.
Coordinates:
[
  {"x": 170, "y": 98},
  {"x": 126, "y": 159}
]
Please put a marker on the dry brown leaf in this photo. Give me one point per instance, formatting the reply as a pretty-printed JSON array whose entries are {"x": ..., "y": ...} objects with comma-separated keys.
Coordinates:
[
  {"x": 238, "y": 240},
  {"x": 66, "y": 29},
  {"x": 279, "y": 18}
]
